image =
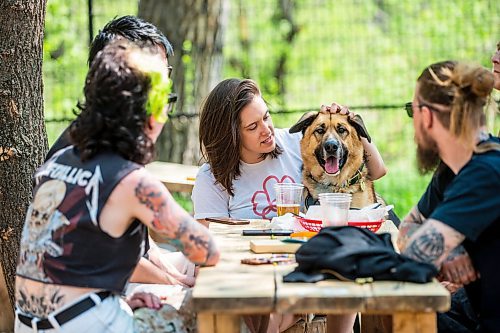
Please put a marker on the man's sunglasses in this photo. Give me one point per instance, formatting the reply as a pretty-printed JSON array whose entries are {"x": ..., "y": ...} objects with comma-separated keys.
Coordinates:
[{"x": 409, "y": 108}]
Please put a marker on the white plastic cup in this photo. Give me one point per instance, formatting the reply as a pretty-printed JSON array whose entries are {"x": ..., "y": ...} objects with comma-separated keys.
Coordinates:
[
  {"x": 288, "y": 198},
  {"x": 335, "y": 208}
]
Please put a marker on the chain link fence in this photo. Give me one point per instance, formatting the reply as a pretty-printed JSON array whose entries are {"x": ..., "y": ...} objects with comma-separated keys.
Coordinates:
[{"x": 304, "y": 53}]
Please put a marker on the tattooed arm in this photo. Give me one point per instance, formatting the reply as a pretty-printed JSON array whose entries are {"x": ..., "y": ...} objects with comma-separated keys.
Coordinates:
[
  {"x": 433, "y": 243},
  {"x": 411, "y": 223},
  {"x": 159, "y": 211}
]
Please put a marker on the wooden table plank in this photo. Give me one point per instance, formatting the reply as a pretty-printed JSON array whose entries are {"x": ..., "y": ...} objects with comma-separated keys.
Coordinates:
[
  {"x": 332, "y": 296},
  {"x": 176, "y": 177},
  {"x": 230, "y": 289},
  {"x": 390, "y": 296}
]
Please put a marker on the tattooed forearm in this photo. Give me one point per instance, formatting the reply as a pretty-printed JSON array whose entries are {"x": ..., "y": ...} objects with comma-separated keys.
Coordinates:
[
  {"x": 414, "y": 216},
  {"x": 433, "y": 242},
  {"x": 456, "y": 252},
  {"x": 174, "y": 225},
  {"x": 198, "y": 240},
  {"x": 194, "y": 241},
  {"x": 405, "y": 232},
  {"x": 428, "y": 247},
  {"x": 411, "y": 223}
]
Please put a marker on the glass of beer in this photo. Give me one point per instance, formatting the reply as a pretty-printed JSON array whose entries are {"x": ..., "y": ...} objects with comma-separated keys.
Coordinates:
[{"x": 288, "y": 198}]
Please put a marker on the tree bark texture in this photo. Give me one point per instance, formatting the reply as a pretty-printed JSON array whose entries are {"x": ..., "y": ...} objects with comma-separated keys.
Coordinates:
[
  {"x": 23, "y": 139},
  {"x": 195, "y": 28}
]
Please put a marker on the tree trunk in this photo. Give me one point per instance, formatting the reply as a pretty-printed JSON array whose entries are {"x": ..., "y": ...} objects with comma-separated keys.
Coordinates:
[
  {"x": 195, "y": 28},
  {"x": 23, "y": 140}
]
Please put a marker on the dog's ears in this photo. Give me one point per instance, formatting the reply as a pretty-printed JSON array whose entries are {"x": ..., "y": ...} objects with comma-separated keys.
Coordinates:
[
  {"x": 304, "y": 122},
  {"x": 359, "y": 125}
]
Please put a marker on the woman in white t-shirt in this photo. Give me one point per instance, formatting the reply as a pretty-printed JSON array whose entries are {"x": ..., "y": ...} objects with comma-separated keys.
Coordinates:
[{"x": 246, "y": 155}]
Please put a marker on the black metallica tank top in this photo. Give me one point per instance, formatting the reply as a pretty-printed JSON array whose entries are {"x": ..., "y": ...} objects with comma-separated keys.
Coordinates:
[{"x": 62, "y": 242}]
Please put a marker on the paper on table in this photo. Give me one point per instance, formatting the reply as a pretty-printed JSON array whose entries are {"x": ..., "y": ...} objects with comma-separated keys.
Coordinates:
[{"x": 287, "y": 221}]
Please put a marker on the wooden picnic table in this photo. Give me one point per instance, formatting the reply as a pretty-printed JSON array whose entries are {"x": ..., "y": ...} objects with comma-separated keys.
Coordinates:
[
  {"x": 225, "y": 292},
  {"x": 176, "y": 177}
]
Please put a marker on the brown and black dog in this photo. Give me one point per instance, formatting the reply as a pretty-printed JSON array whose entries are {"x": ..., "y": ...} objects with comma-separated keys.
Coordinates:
[{"x": 334, "y": 157}]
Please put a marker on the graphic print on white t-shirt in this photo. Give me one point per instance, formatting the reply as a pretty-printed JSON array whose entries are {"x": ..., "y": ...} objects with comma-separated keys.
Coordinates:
[
  {"x": 254, "y": 194},
  {"x": 264, "y": 200}
]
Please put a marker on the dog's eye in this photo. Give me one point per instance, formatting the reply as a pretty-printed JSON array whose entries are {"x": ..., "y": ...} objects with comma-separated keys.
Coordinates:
[
  {"x": 341, "y": 130},
  {"x": 320, "y": 130}
]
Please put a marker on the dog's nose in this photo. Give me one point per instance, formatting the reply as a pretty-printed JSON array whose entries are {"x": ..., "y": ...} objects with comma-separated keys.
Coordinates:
[{"x": 331, "y": 146}]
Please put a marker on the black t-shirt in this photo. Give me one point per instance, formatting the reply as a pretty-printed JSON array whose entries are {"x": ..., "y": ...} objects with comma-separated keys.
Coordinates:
[
  {"x": 435, "y": 190},
  {"x": 469, "y": 202}
]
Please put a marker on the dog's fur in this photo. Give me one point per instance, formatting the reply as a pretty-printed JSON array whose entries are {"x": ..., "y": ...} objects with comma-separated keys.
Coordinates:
[{"x": 334, "y": 157}]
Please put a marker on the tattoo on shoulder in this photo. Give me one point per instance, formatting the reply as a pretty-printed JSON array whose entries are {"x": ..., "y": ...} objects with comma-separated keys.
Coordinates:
[
  {"x": 40, "y": 305},
  {"x": 149, "y": 194},
  {"x": 428, "y": 247}
]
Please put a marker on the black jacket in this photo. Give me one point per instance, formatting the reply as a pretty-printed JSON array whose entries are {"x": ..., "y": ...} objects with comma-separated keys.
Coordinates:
[{"x": 350, "y": 253}]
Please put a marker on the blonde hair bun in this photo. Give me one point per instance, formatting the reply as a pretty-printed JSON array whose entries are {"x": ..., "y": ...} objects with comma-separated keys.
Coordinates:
[{"x": 474, "y": 79}]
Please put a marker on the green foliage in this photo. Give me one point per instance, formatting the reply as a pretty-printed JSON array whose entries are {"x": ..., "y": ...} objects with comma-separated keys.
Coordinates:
[
  {"x": 65, "y": 53},
  {"x": 362, "y": 53},
  {"x": 184, "y": 201},
  {"x": 355, "y": 52}
]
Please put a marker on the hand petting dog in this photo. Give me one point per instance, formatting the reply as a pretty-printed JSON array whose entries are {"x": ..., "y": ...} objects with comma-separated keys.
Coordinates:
[{"x": 374, "y": 162}]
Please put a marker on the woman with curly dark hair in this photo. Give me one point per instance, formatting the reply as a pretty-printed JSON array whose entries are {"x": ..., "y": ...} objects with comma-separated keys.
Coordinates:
[{"x": 84, "y": 230}]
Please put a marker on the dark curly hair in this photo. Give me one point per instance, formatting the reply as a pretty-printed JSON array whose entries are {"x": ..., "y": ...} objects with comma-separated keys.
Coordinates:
[
  {"x": 131, "y": 28},
  {"x": 113, "y": 115}
]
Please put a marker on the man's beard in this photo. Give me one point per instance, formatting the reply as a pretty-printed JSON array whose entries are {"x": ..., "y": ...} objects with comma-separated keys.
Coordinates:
[{"x": 427, "y": 156}]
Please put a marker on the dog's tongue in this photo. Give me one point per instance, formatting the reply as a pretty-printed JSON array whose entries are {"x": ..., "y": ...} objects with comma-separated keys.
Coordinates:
[{"x": 332, "y": 165}]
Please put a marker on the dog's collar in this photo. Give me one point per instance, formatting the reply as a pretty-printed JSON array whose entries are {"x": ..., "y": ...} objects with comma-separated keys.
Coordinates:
[{"x": 358, "y": 177}]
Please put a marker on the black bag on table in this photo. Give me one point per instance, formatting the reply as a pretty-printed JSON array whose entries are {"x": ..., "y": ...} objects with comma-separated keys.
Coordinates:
[{"x": 351, "y": 253}]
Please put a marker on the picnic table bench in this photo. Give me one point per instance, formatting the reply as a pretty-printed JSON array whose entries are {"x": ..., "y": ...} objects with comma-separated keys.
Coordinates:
[{"x": 225, "y": 292}]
